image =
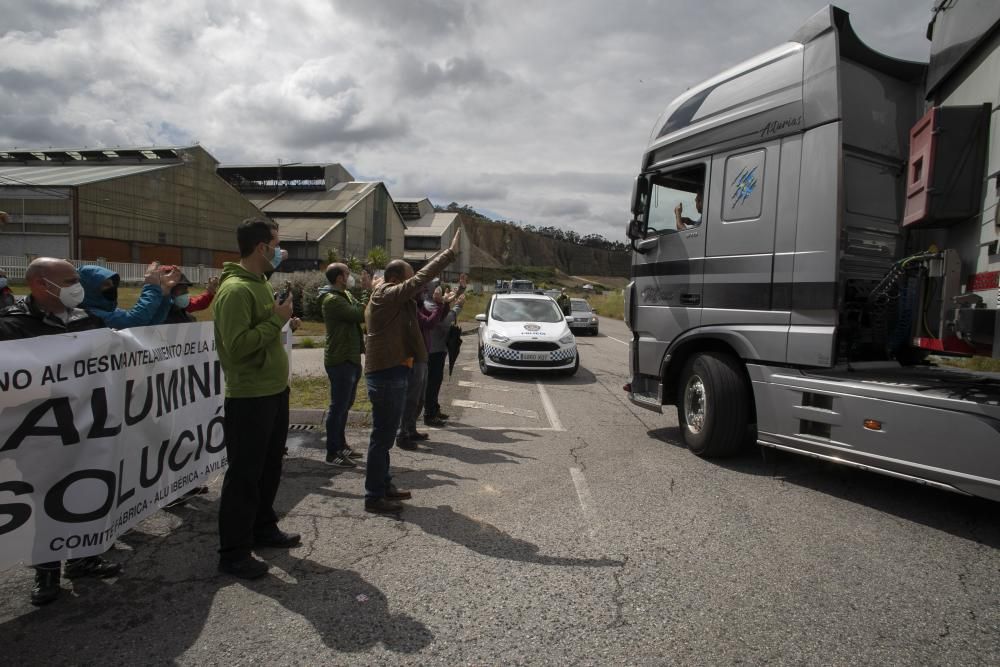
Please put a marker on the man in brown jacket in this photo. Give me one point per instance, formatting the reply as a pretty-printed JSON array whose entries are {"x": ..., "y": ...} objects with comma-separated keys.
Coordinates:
[{"x": 393, "y": 343}]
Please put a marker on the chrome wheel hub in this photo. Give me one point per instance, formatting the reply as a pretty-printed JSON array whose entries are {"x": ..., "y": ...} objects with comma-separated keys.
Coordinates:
[{"x": 694, "y": 404}]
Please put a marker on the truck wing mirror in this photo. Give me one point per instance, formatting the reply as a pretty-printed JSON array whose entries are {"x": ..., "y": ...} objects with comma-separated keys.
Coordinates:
[{"x": 639, "y": 187}]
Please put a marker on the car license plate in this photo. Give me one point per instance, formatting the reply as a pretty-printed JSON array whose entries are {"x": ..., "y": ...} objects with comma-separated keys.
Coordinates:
[{"x": 534, "y": 356}]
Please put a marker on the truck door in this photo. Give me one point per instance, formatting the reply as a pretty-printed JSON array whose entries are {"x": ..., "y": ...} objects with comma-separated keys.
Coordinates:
[{"x": 668, "y": 264}]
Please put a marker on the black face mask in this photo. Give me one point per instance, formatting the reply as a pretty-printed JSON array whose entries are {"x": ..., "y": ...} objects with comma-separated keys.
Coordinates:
[{"x": 111, "y": 294}]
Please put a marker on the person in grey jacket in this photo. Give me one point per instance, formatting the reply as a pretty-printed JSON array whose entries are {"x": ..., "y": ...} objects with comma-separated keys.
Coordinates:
[{"x": 437, "y": 353}]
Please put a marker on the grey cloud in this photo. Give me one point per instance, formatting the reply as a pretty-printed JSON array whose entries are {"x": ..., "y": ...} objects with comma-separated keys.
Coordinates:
[
  {"x": 36, "y": 131},
  {"x": 416, "y": 19},
  {"x": 456, "y": 72},
  {"x": 564, "y": 208},
  {"x": 569, "y": 181},
  {"x": 41, "y": 16}
]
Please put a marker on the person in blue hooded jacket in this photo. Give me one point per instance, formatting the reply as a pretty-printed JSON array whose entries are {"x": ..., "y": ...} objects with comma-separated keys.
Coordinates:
[{"x": 100, "y": 287}]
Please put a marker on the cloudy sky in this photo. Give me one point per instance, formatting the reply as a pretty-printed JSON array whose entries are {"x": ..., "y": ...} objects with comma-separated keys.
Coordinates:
[{"x": 531, "y": 111}]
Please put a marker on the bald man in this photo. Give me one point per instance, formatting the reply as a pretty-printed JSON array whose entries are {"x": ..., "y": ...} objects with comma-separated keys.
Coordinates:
[{"x": 51, "y": 308}]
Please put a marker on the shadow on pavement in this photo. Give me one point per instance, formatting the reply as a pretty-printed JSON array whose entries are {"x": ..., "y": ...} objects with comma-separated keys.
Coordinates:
[
  {"x": 962, "y": 516},
  {"x": 477, "y": 455},
  {"x": 487, "y": 539}
]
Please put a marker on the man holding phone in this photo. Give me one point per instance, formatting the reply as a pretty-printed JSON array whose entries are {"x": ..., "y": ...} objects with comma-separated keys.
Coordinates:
[{"x": 248, "y": 324}]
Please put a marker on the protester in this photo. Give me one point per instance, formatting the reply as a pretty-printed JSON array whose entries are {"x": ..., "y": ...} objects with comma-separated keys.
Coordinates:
[
  {"x": 564, "y": 302},
  {"x": 179, "y": 300},
  {"x": 437, "y": 351},
  {"x": 51, "y": 308},
  {"x": 392, "y": 344},
  {"x": 204, "y": 300},
  {"x": 416, "y": 380},
  {"x": 101, "y": 296},
  {"x": 6, "y": 295},
  {"x": 248, "y": 338},
  {"x": 343, "y": 316}
]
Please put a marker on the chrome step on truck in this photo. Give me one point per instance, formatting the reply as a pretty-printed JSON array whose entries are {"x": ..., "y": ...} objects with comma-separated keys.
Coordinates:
[{"x": 808, "y": 227}]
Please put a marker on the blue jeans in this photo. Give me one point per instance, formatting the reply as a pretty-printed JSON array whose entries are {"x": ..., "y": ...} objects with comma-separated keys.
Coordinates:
[
  {"x": 416, "y": 385},
  {"x": 387, "y": 393},
  {"x": 343, "y": 389}
]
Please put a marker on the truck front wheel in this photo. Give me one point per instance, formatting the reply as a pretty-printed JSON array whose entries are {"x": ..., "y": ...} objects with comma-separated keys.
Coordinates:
[{"x": 713, "y": 405}]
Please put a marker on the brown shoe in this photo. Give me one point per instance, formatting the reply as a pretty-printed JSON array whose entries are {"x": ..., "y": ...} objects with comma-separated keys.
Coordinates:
[
  {"x": 397, "y": 494},
  {"x": 383, "y": 506}
]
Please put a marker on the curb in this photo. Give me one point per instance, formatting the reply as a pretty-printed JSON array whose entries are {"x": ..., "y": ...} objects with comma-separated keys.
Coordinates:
[{"x": 317, "y": 416}]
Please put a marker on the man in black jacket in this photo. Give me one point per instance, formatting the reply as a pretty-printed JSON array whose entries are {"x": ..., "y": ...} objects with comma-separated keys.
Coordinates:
[{"x": 51, "y": 308}]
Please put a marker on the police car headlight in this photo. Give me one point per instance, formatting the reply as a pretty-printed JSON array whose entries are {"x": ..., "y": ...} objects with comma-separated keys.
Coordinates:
[
  {"x": 499, "y": 338},
  {"x": 567, "y": 339}
]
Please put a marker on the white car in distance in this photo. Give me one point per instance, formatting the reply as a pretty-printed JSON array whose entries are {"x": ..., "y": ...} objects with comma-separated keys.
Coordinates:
[{"x": 525, "y": 332}]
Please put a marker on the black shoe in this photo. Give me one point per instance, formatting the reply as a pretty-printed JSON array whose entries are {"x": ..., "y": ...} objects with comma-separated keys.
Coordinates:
[
  {"x": 396, "y": 494},
  {"x": 351, "y": 453},
  {"x": 91, "y": 566},
  {"x": 278, "y": 539},
  {"x": 406, "y": 444},
  {"x": 46, "y": 587},
  {"x": 339, "y": 460},
  {"x": 441, "y": 415},
  {"x": 436, "y": 422},
  {"x": 244, "y": 568},
  {"x": 417, "y": 435},
  {"x": 383, "y": 506}
]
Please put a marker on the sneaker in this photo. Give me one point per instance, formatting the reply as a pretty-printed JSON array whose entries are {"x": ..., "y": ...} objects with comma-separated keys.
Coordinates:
[
  {"x": 436, "y": 422},
  {"x": 351, "y": 453},
  {"x": 247, "y": 567},
  {"x": 383, "y": 506},
  {"x": 46, "y": 587},
  {"x": 396, "y": 494},
  {"x": 339, "y": 460},
  {"x": 407, "y": 444},
  {"x": 91, "y": 566},
  {"x": 278, "y": 539}
]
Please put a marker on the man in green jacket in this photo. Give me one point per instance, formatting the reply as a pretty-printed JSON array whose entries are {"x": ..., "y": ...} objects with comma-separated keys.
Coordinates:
[
  {"x": 343, "y": 316},
  {"x": 248, "y": 326}
]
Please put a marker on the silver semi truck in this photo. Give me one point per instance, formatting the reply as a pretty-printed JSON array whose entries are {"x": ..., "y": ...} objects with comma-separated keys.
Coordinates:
[{"x": 808, "y": 228}]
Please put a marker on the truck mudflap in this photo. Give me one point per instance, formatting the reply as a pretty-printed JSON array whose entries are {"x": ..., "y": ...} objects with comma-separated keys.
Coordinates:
[{"x": 935, "y": 426}]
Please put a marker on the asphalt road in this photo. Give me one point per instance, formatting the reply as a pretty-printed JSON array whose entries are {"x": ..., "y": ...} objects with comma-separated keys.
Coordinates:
[{"x": 552, "y": 523}]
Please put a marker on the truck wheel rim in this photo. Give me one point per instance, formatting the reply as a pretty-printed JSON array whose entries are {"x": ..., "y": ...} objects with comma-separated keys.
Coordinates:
[{"x": 694, "y": 404}]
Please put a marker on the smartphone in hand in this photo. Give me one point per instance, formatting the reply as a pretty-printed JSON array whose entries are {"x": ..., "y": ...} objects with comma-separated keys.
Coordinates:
[{"x": 286, "y": 291}]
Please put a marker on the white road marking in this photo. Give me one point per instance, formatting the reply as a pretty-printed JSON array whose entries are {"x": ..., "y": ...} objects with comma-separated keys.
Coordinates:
[
  {"x": 620, "y": 341},
  {"x": 477, "y": 385},
  {"x": 493, "y": 407},
  {"x": 550, "y": 410},
  {"x": 586, "y": 501}
]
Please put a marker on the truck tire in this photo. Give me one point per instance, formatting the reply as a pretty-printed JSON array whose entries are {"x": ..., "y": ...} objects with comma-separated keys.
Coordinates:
[{"x": 713, "y": 405}]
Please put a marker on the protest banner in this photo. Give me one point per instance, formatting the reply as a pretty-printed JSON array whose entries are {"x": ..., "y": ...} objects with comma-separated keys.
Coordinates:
[{"x": 98, "y": 430}]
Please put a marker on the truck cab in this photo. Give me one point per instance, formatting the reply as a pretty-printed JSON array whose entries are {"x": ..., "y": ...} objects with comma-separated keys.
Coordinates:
[{"x": 812, "y": 223}]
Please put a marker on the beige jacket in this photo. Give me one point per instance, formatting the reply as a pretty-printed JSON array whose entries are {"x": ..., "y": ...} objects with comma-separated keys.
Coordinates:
[{"x": 391, "y": 319}]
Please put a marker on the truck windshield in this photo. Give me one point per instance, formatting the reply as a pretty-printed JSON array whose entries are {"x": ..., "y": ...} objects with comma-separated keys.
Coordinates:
[{"x": 526, "y": 310}]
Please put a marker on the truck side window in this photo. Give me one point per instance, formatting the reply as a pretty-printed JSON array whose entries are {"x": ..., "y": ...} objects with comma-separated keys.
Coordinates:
[{"x": 676, "y": 200}]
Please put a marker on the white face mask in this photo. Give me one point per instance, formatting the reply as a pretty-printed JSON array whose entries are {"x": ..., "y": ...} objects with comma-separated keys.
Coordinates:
[
  {"x": 71, "y": 296},
  {"x": 350, "y": 281},
  {"x": 182, "y": 301}
]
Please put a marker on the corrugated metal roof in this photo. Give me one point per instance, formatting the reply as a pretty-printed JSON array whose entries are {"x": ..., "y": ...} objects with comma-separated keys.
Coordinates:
[
  {"x": 434, "y": 224},
  {"x": 70, "y": 176},
  {"x": 339, "y": 199},
  {"x": 305, "y": 229}
]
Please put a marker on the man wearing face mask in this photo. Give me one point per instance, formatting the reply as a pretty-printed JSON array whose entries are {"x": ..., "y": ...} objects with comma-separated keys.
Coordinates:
[
  {"x": 179, "y": 299},
  {"x": 6, "y": 295},
  {"x": 343, "y": 316},
  {"x": 248, "y": 338},
  {"x": 51, "y": 308}
]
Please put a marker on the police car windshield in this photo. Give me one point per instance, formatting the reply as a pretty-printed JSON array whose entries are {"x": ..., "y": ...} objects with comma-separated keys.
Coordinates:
[{"x": 526, "y": 310}]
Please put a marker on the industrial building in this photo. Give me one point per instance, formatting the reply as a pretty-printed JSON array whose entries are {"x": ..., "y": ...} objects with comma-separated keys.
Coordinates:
[
  {"x": 122, "y": 205},
  {"x": 323, "y": 212},
  {"x": 428, "y": 231}
]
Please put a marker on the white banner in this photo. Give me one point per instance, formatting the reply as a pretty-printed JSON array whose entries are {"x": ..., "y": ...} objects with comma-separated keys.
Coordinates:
[{"x": 98, "y": 430}]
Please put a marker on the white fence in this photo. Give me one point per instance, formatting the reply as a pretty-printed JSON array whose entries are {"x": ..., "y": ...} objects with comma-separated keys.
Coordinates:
[{"x": 16, "y": 265}]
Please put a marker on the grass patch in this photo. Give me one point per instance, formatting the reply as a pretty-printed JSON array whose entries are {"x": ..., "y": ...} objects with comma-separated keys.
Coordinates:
[
  {"x": 314, "y": 392},
  {"x": 307, "y": 343},
  {"x": 982, "y": 364},
  {"x": 611, "y": 305}
]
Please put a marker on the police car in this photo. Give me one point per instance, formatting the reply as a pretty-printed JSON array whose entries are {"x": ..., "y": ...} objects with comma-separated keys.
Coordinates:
[{"x": 525, "y": 332}]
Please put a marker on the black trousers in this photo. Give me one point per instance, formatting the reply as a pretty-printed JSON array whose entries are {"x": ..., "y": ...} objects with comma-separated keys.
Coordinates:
[
  {"x": 435, "y": 376},
  {"x": 256, "y": 429}
]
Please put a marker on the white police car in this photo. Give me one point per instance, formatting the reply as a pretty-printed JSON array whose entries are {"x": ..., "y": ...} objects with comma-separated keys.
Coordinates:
[{"x": 525, "y": 332}]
